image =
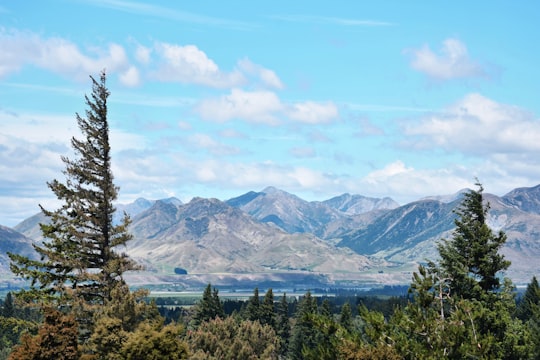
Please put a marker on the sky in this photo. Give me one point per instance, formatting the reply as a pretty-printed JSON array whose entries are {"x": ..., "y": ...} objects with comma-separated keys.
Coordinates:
[{"x": 400, "y": 99}]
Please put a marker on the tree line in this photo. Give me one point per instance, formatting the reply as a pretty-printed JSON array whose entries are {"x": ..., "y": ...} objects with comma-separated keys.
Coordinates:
[{"x": 78, "y": 305}]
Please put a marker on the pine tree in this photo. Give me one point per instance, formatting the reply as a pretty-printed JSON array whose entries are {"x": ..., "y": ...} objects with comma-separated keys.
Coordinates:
[
  {"x": 471, "y": 259},
  {"x": 209, "y": 307},
  {"x": 253, "y": 306},
  {"x": 346, "y": 317},
  {"x": 304, "y": 333},
  {"x": 266, "y": 310},
  {"x": 8, "y": 309},
  {"x": 79, "y": 258},
  {"x": 326, "y": 308},
  {"x": 283, "y": 328},
  {"x": 459, "y": 307},
  {"x": 529, "y": 312},
  {"x": 530, "y": 303}
]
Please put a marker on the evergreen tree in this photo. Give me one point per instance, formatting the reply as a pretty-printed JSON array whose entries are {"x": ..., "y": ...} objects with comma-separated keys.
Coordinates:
[
  {"x": 217, "y": 305},
  {"x": 346, "y": 317},
  {"x": 530, "y": 301},
  {"x": 529, "y": 312},
  {"x": 8, "y": 308},
  {"x": 471, "y": 259},
  {"x": 79, "y": 259},
  {"x": 326, "y": 308},
  {"x": 267, "y": 315},
  {"x": 209, "y": 307},
  {"x": 253, "y": 306},
  {"x": 283, "y": 327},
  {"x": 459, "y": 308},
  {"x": 304, "y": 332}
]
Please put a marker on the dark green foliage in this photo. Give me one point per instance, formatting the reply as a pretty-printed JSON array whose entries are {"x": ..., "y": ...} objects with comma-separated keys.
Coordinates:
[
  {"x": 79, "y": 257},
  {"x": 471, "y": 259},
  {"x": 346, "y": 317},
  {"x": 209, "y": 307},
  {"x": 530, "y": 302},
  {"x": 528, "y": 311},
  {"x": 80, "y": 269},
  {"x": 8, "y": 308},
  {"x": 267, "y": 315},
  {"x": 326, "y": 308},
  {"x": 459, "y": 308},
  {"x": 304, "y": 333},
  {"x": 283, "y": 327},
  {"x": 253, "y": 310}
]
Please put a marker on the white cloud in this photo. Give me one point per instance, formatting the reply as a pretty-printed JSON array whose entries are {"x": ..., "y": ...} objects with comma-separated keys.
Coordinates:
[
  {"x": 405, "y": 183},
  {"x": 452, "y": 62},
  {"x": 477, "y": 126},
  {"x": 142, "y": 54},
  {"x": 188, "y": 64},
  {"x": 310, "y": 112},
  {"x": 165, "y": 62},
  {"x": 268, "y": 77},
  {"x": 256, "y": 106},
  {"x": 206, "y": 142},
  {"x": 264, "y": 107},
  {"x": 130, "y": 77},
  {"x": 56, "y": 54}
]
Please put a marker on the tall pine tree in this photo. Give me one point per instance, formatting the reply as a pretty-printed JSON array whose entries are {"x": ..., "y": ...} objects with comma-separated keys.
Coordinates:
[
  {"x": 79, "y": 258},
  {"x": 471, "y": 259}
]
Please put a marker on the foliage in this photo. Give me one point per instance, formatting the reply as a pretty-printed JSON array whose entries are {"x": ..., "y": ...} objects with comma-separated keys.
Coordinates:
[
  {"x": 253, "y": 310},
  {"x": 528, "y": 311},
  {"x": 78, "y": 259},
  {"x": 283, "y": 327},
  {"x": 155, "y": 342},
  {"x": 209, "y": 307},
  {"x": 267, "y": 315},
  {"x": 117, "y": 320},
  {"x": 471, "y": 259},
  {"x": 304, "y": 332},
  {"x": 459, "y": 308},
  {"x": 232, "y": 339},
  {"x": 346, "y": 317},
  {"x": 56, "y": 339},
  {"x": 80, "y": 268},
  {"x": 11, "y": 329},
  {"x": 530, "y": 301}
]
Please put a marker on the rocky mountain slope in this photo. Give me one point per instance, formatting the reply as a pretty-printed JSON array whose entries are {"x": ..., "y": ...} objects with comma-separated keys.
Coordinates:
[
  {"x": 15, "y": 242},
  {"x": 208, "y": 235},
  {"x": 294, "y": 214},
  {"x": 273, "y": 231}
]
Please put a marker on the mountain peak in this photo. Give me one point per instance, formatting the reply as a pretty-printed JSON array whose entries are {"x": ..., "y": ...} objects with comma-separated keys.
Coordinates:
[{"x": 273, "y": 190}]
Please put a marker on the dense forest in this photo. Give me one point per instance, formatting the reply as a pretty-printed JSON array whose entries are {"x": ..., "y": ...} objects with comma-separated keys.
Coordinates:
[{"x": 78, "y": 306}]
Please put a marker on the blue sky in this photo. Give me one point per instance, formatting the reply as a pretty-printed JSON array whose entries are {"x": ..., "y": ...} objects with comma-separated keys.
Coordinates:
[{"x": 318, "y": 98}]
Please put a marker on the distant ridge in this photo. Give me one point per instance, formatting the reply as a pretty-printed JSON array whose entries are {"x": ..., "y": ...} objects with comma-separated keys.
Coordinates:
[{"x": 348, "y": 237}]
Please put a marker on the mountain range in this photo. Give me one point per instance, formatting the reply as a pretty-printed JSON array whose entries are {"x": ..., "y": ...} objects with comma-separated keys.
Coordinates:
[{"x": 273, "y": 235}]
